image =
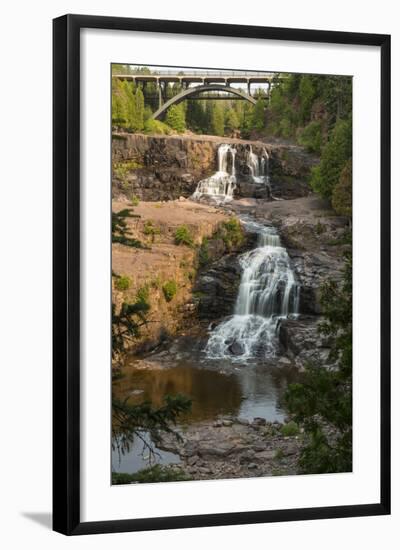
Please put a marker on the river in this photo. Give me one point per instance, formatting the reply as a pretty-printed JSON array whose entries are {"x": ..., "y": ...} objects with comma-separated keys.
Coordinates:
[{"x": 236, "y": 373}]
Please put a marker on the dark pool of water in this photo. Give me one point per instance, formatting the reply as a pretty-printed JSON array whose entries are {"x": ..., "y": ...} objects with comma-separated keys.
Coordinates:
[{"x": 245, "y": 391}]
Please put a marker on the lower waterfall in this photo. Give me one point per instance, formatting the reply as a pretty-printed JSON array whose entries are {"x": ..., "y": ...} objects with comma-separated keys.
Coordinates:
[{"x": 268, "y": 292}]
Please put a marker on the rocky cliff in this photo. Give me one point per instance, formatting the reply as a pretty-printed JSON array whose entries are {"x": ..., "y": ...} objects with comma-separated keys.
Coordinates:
[
  {"x": 164, "y": 272},
  {"x": 154, "y": 168}
]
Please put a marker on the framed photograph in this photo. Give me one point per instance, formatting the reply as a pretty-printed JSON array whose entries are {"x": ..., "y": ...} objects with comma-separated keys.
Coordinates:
[{"x": 221, "y": 274}]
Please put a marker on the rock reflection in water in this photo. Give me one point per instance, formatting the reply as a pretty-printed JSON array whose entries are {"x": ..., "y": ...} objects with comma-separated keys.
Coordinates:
[
  {"x": 212, "y": 393},
  {"x": 245, "y": 391}
]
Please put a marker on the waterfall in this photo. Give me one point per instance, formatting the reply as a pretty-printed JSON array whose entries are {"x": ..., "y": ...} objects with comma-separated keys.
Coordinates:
[
  {"x": 253, "y": 163},
  {"x": 258, "y": 166},
  {"x": 221, "y": 184},
  {"x": 265, "y": 165},
  {"x": 268, "y": 292}
]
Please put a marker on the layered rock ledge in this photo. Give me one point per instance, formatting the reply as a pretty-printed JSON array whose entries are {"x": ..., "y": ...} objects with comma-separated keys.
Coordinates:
[{"x": 154, "y": 167}]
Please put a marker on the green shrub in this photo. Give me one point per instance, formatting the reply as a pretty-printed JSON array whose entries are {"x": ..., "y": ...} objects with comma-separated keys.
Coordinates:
[
  {"x": 311, "y": 137},
  {"x": 279, "y": 454},
  {"x": 170, "y": 288},
  {"x": 290, "y": 429},
  {"x": 152, "y": 126},
  {"x": 135, "y": 200},
  {"x": 122, "y": 169},
  {"x": 143, "y": 295},
  {"x": 122, "y": 282},
  {"x": 150, "y": 229},
  {"x": 232, "y": 233},
  {"x": 183, "y": 236},
  {"x": 285, "y": 128},
  {"x": 342, "y": 192},
  {"x": 204, "y": 256}
]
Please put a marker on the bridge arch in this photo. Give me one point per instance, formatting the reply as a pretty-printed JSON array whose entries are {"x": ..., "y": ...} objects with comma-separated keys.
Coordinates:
[{"x": 185, "y": 94}]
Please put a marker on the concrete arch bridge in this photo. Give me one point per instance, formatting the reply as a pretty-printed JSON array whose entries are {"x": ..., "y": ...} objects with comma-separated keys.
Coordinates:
[{"x": 201, "y": 85}]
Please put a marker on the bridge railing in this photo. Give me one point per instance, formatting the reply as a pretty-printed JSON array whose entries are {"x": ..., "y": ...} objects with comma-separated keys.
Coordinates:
[{"x": 199, "y": 74}]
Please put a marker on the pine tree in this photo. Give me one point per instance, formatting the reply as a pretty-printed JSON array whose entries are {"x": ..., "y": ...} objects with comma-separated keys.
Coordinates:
[
  {"x": 119, "y": 107},
  {"x": 306, "y": 95},
  {"x": 258, "y": 115},
  {"x": 231, "y": 120},
  {"x": 138, "y": 110},
  {"x": 342, "y": 192},
  {"x": 176, "y": 118},
  {"x": 208, "y": 116},
  {"x": 217, "y": 120},
  {"x": 333, "y": 158}
]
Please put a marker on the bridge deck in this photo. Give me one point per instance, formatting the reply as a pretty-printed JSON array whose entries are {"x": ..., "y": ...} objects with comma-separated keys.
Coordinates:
[{"x": 206, "y": 78}]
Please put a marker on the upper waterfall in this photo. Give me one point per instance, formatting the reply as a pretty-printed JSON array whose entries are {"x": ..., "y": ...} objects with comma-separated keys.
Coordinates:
[
  {"x": 221, "y": 184},
  {"x": 258, "y": 166}
]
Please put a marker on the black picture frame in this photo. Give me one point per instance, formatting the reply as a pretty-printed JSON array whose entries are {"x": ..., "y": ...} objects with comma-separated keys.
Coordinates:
[{"x": 66, "y": 273}]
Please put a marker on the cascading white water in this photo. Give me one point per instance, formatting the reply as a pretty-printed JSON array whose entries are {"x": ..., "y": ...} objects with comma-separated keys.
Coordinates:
[
  {"x": 265, "y": 166},
  {"x": 221, "y": 184},
  {"x": 258, "y": 166},
  {"x": 268, "y": 292},
  {"x": 253, "y": 163}
]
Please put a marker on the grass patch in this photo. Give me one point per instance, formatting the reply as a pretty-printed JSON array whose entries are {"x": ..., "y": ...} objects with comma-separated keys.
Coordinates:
[
  {"x": 279, "y": 454},
  {"x": 184, "y": 236},
  {"x": 122, "y": 169},
  {"x": 170, "y": 288},
  {"x": 151, "y": 230},
  {"x": 290, "y": 429},
  {"x": 346, "y": 238},
  {"x": 156, "y": 283},
  {"x": 143, "y": 294},
  {"x": 231, "y": 233},
  {"x": 135, "y": 200},
  {"x": 122, "y": 282}
]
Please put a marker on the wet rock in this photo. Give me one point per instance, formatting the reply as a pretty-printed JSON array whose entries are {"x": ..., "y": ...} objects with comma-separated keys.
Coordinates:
[
  {"x": 265, "y": 455},
  {"x": 243, "y": 421},
  {"x": 221, "y": 449},
  {"x": 227, "y": 423},
  {"x": 257, "y": 421},
  {"x": 217, "y": 288},
  {"x": 303, "y": 341},
  {"x": 236, "y": 348},
  {"x": 193, "y": 460},
  {"x": 191, "y": 448},
  {"x": 252, "y": 466}
]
